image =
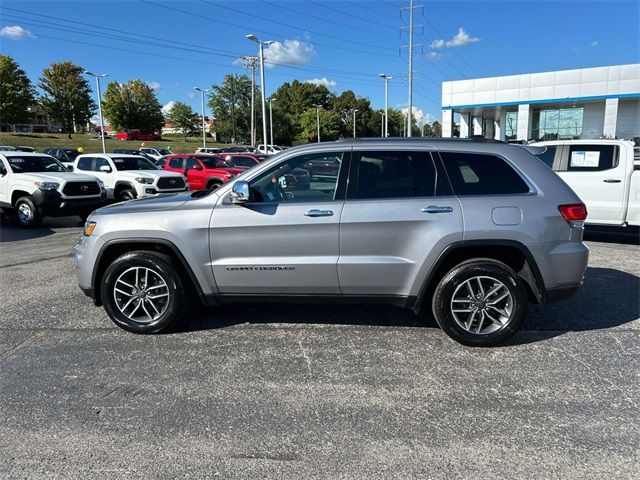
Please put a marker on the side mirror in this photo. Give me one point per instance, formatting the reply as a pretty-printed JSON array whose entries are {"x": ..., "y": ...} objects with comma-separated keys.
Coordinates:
[
  {"x": 70, "y": 168},
  {"x": 105, "y": 169},
  {"x": 240, "y": 192}
]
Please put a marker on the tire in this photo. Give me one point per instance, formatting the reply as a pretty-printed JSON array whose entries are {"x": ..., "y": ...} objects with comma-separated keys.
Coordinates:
[
  {"x": 27, "y": 212},
  {"x": 139, "y": 312},
  {"x": 126, "y": 195},
  {"x": 490, "y": 325},
  {"x": 213, "y": 185}
]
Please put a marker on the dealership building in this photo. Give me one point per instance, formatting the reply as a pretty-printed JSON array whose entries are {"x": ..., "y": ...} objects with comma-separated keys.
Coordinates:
[{"x": 601, "y": 102}]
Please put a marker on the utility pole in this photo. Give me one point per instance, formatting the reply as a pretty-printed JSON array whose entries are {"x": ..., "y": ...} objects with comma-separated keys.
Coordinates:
[
  {"x": 250, "y": 62},
  {"x": 253, "y": 38},
  {"x": 271, "y": 118},
  {"x": 410, "y": 47}
]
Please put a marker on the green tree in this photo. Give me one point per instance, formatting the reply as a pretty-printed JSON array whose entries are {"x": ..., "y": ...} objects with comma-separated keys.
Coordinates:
[
  {"x": 16, "y": 92},
  {"x": 67, "y": 95},
  {"x": 183, "y": 118},
  {"x": 132, "y": 105},
  {"x": 330, "y": 123},
  {"x": 436, "y": 129},
  {"x": 230, "y": 102}
]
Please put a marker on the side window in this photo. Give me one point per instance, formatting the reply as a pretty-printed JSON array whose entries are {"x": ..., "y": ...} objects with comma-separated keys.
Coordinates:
[
  {"x": 191, "y": 162},
  {"x": 240, "y": 161},
  {"x": 100, "y": 162},
  {"x": 85, "y": 163},
  {"x": 290, "y": 182},
  {"x": 175, "y": 162},
  {"x": 389, "y": 174},
  {"x": 481, "y": 174},
  {"x": 592, "y": 158}
]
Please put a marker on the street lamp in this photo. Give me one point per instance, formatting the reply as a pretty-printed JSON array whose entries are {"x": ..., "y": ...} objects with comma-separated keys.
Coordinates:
[
  {"x": 204, "y": 138},
  {"x": 98, "y": 77},
  {"x": 386, "y": 79},
  {"x": 318, "y": 107},
  {"x": 354, "y": 122},
  {"x": 253, "y": 38},
  {"x": 271, "y": 118}
]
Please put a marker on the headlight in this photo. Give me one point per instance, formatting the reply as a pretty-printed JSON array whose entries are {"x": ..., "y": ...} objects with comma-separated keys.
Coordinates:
[
  {"x": 47, "y": 185},
  {"x": 145, "y": 180},
  {"x": 88, "y": 228}
]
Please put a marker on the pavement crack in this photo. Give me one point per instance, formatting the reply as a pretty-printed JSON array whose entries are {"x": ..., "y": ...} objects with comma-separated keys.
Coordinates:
[
  {"x": 308, "y": 383},
  {"x": 18, "y": 345}
]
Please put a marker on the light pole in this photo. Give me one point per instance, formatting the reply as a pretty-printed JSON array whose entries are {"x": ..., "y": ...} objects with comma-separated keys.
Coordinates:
[
  {"x": 204, "y": 138},
  {"x": 253, "y": 38},
  {"x": 354, "y": 122},
  {"x": 271, "y": 118},
  {"x": 98, "y": 77},
  {"x": 318, "y": 107},
  {"x": 386, "y": 79}
]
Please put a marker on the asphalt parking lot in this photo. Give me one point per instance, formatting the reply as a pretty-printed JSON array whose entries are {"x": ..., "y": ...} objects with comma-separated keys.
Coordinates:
[{"x": 292, "y": 391}]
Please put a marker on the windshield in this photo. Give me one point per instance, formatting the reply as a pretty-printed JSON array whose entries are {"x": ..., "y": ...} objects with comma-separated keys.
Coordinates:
[
  {"x": 72, "y": 154},
  {"x": 163, "y": 151},
  {"x": 35, "y": 164},
  {"x": 128, "y": 163}
]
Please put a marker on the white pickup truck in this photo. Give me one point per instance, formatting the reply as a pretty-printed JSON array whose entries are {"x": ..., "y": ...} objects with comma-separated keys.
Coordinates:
[
  {"x": 35, "y": 185},
  {"x": 603, "y": 174}
]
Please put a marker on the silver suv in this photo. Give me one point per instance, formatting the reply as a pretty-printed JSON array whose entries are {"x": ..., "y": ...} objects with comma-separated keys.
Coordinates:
[{"x": 473, "y": 230}]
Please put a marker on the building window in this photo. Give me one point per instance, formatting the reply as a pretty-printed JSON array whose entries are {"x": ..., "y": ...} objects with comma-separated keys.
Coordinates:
[
  {"x": 557, "y": 124},
  {"x": 511, "y": 127}
]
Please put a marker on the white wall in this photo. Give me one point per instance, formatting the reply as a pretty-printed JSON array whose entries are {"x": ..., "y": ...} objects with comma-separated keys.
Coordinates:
[
  {"x": 628, "y": 125},
  {"x": 593, "y": 120}
]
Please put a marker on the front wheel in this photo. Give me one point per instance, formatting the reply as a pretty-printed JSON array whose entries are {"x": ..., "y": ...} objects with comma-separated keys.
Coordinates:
[
  {"x": 27, "y": 213},
  {"x": 143, "y": 293},
  {"x": 125, "y": 195},
  {"x": 480, "y": 303}
]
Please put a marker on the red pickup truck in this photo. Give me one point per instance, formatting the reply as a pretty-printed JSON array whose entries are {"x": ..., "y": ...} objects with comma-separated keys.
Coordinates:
[
  {"x": 138, "y": 135},
  {"x": 202, "y": 171}
]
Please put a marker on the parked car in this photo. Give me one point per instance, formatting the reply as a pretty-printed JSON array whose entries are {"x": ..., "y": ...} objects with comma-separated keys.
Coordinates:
[
  {"x": 603, "y": 174},
  {"x": 203, "y": 171},
  {"x": 325, "y": 168},
  {"x": 473, "y": 231},
  {"x": 243, "y": 160},
  {"x": 155, "y": 152},
  {"x": 35, "y": 185},
  {"x": 139, "y": 135},
  {"x": 239, "y": 149},
  {"x": 130, "y": 151},
  {"x": 269, "y": 150},
  {"x": 22, "y": 148},
  {"x": 7, "y": 148},
  {"x": 66, "y": 156},
  {"x": 298, "y": 178},
  {"x": 208, "y": 150},
  {"x": 127, "y": 177}
]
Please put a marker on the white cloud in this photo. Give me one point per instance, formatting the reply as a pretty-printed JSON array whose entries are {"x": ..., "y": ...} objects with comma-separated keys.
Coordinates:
[
  {"x": 291, "y": 51},
  {"x": 460, "y": 39},
  {"x": 191, "y": 95},
  {"x": 433, "y": 56},
  {"x": 154, "y": 85},
  {"x": 15, "y": 32},
  {"x": 95, "y": 120},
  {"x": 167, "y": 108},
  {"x": 417, "y": 114},
  {"x": 595, "y": 43},
  {"x": 323, "y": 81}
]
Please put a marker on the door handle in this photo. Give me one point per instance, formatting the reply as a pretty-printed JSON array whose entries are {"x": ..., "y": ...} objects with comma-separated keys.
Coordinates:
[
  {"x": 318, "y": 213},
  {"x": 612, "y": 180},
  {"x": 436, "y": 209}
]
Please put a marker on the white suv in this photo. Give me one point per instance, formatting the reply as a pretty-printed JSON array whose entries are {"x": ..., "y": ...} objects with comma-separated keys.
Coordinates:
[
  {"x": 127, "y": 177},
  {"x": 36, "y": 185}
]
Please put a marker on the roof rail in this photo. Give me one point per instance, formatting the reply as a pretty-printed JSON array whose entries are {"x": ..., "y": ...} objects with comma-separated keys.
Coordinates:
[{"x": 476, "y": 138}]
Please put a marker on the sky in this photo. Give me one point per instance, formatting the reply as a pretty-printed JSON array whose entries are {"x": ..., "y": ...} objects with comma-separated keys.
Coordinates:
[{"x": 176, "y": 45}]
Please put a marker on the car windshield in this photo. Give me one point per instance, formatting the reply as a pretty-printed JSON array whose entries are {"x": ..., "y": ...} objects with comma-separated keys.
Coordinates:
[
  {"x": 35, "y": 164},
  {"x": 129, "y": 163},
  {"x": 72, "y": 154},
  {"x": 163, "y": 151},
  {"x": 211, "y": 162}
]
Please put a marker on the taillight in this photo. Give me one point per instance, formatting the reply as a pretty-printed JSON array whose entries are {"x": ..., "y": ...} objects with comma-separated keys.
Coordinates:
[{"x": 575, "y": 212}]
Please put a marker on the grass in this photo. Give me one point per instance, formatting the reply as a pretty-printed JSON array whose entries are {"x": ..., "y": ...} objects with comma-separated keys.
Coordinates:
[{"x": 40, "y": 141}]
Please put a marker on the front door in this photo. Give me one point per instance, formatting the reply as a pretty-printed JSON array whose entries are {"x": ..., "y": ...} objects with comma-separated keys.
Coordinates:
[{"x": 285, "y": 240}]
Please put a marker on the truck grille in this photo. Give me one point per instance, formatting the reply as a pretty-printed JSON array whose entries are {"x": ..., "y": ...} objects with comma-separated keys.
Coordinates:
[
  {"x": 170, "y": 183},
  {"x": 79, "y": 189}
]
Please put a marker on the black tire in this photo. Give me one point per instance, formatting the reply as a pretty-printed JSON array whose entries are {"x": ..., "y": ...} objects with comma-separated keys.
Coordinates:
[
  {"x": 170, "y": 313},
  {"x": 27, "y": 213},
  {"x": 213, "y": 185},
  {"x": 126, "y": 195},
  {"x": 456, "y": 277}
]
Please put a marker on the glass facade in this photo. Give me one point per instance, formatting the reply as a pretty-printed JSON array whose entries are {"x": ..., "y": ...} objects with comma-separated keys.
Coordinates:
[
  {"x": 557, "y": 124},
  {"x": 511, "y": 126}
]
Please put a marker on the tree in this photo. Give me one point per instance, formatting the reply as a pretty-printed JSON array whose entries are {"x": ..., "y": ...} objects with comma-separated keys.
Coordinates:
[
  {"x": 16, "y": 92},
  {"x": 436, "y": 129},
  {"x": 183, "y": 118},
  {"x": 132, "y": 105},
  {"x": 230, "y": 103},
  {"x": 67, "y": 95},
  {"x": 330, "y": 123}
]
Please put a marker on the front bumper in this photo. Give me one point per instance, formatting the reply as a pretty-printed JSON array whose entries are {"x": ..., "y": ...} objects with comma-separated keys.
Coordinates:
[
  {"x": 51, "y": 203},
  {"x": 151, "y": 190}
]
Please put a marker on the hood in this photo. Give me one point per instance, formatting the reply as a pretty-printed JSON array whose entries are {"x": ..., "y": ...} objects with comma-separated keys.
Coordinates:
[
  {"x": 167, "y": 201},
  {"x": 147, "y": 173},
  {"x": 57, "y": 177}
]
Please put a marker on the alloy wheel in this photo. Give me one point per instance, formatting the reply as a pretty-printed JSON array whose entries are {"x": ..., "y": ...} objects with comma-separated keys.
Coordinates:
[{"x": 141, "y": 294}]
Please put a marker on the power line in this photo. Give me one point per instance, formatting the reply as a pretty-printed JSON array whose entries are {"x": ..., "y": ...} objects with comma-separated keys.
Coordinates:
[{"x": 324, "y": 5}]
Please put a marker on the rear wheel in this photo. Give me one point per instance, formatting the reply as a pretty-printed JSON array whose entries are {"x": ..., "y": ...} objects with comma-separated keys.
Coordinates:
[
  {"x": 213, "y": 185},
  {"x": 480, "y": 302},
  {"x": 143, "y": 293},
  {"x": 27, "y": 212}
]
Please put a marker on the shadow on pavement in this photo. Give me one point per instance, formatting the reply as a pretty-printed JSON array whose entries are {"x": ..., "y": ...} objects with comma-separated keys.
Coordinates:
[
  {"x": 10, "y": 231},
  {"x": 608, "y": 298}
]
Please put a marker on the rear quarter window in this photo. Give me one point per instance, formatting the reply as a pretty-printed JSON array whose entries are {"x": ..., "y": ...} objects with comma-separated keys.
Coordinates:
[{"x": 482, "y": 174}]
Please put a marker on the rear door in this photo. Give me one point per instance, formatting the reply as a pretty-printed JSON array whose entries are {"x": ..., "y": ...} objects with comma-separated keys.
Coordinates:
[
  {"x": 285, "y": 240},
  {"x": 399, "y": 215},
  {"x": 598, "y": 175}
]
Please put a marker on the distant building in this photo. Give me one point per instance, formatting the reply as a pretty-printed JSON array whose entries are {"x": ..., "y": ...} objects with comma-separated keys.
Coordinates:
[
  {"x": 582, "y": 103},
  {"x": 38, "y": 123}
]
